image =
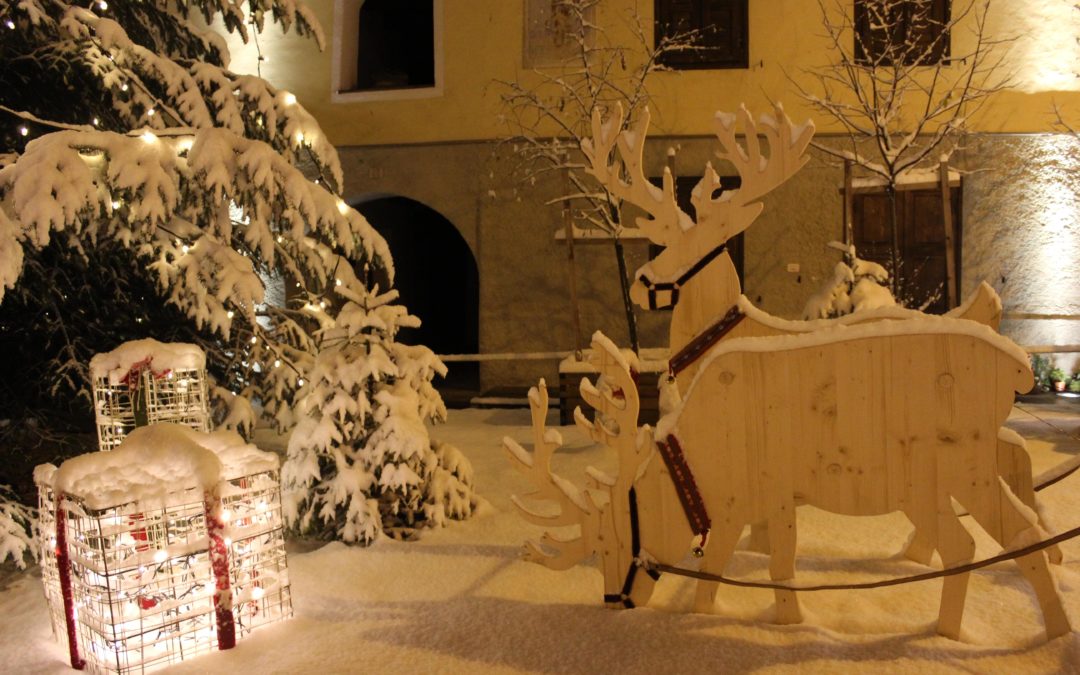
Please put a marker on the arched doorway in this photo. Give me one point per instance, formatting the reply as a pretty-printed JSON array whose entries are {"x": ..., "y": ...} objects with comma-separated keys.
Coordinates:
[{"x": 436, "y": 275}]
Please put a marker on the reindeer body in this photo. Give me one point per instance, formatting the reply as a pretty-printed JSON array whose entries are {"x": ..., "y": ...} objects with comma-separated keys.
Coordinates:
[{"x": 865, "y": 420}]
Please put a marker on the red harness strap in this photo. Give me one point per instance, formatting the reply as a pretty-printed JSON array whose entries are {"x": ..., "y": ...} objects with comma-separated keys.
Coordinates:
[
  {"x": 705, "y": 340},
  {"x": 687, "y": 489}
]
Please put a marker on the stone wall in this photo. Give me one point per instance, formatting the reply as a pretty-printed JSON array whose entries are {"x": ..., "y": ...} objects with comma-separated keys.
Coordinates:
[{"x": 1021, "y": 234}]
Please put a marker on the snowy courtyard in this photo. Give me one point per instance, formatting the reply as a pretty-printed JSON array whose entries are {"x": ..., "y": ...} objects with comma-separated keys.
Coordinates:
[{"x": 461, "y": 600}]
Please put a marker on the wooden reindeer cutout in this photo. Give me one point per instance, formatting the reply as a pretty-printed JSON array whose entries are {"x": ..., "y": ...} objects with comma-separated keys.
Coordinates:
[{"x": 696, "y": 276}]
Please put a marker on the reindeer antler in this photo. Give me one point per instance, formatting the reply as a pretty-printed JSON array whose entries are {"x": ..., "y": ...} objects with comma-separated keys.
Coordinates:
[
  {"x": 575, "y": 507},
  {"x": 787, "y": 154},
  {"x": 660, "y": 203},
  {"x": 616, "y": 401}
]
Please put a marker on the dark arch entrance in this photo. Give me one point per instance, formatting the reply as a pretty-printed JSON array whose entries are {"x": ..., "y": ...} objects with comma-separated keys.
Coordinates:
[{"x": 436, "y": 275}]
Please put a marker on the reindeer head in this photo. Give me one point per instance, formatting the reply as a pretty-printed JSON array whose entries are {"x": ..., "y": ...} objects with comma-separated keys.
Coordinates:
[{"x": 690, "y": 245}]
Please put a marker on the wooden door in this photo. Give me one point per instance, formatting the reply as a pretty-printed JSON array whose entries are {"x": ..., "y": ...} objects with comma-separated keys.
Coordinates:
[{"x": 921, "y": 255}]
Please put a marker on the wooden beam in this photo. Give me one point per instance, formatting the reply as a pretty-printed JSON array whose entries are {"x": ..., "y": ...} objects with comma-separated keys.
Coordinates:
[{"x": 951, "y": 286}]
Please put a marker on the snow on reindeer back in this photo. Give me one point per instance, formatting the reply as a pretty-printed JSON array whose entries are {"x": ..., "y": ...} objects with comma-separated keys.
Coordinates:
[
  {"x": 152, "y": 463},
  {"x": 164, "y": 356}
]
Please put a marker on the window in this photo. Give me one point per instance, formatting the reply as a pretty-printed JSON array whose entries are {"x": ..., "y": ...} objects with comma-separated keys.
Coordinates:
[
  {"x": 901, "y": 32},
  {"x": 387, "y": 49},
  {"x": 722, "y": 32},
  {"x": 920, "y": 235}
]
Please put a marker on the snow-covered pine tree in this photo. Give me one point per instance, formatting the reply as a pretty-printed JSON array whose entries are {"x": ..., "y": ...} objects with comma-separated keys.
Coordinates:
[
  {"x": 360, "y": 461},
  {"x": 124, "y": 136}
]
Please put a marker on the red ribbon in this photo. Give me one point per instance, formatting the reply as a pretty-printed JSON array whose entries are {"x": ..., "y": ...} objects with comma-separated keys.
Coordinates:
[{"x": 63, "y": 567}]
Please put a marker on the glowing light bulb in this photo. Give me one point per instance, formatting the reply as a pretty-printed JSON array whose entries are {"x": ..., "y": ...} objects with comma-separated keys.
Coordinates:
[
  {"x": 124, "y": 87},
  {"x": 149, "y": 112},
  {"x": 299, "y": 381},
  {"x": 257, "y": 593},
  {"x": 290, "y": 98},
  {"x": 277, "y": 363},
  {"x": 160, "y": 556},
  {"x": 226, "y": 516},
  {"x": 254, "y": 340},
  {"x": 96, "y": 121},
  {"x": 299, "y": 136},
  {"x": 23, "y": 131},
  {"x": 185, "y": 248},
  {"x": 116, "y": 204},
  {"x": 280, "y": 239},
  {"x": 230, "y": 314},
  {"x": 149, "y": 137},
  {"x": 10, "y": 24},
  {"x": 337, "y": 282},
  {"x": 322, "y": 304},
  {"x": 103, "y": 5},
  {"x": 342, "y": 207}
]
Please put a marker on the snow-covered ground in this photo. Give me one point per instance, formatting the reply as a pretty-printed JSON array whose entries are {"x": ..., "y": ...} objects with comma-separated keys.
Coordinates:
[{"x": 460, "y": 600}]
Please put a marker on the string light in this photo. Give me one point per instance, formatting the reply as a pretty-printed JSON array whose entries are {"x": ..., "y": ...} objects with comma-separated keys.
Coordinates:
[
  {"x": 23, "y": 131},
  {"x": 299, "y": 381},
  {"x": 290, "y": 98},
  {"x": 230, "y": 314},
  {"x": 103, "y": 5},
  {"x": 299, "y": 136},
  {"x": 150, "y": 112},
  {"x": 124, "y": 87},
  {"x": 185, "y": 249},
  {"x": 116, "y": 204},
  {"x": 10, "y": 24},
  {"x": 148, "y": 136},
  {"x": 277, "y": 363},
  {"x": 337, "y": 282},
  {"x": 254, "y": 340},
  {"x": 96, "y": 122}
]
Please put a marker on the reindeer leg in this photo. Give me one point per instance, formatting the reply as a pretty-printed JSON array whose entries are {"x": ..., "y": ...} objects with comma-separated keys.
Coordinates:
[
  {"x": 759, "y": 538},
  {"x": 1013, "y": 524},
  {"x": 957, "y": 548},
  {"x": 920, "y": 548},
  {"x": 642, "y": 589},
  {"x": 1014, "y": 466},
  {"x": 782, "y": 539},
  {"x": 717, "y": 555}
]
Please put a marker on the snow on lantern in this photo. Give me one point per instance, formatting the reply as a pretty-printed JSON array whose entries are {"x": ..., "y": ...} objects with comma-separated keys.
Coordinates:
[
  {"x": 168, "y": 546},
  {"x": 145, "y": 381}
]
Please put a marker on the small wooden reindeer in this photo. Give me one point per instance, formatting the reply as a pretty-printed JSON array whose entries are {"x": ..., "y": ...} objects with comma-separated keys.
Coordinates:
[{"x": 602, "y": 512}]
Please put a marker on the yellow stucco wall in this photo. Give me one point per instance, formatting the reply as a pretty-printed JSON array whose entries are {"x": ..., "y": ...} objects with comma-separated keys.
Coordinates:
[{"x": 483, "y": 42}]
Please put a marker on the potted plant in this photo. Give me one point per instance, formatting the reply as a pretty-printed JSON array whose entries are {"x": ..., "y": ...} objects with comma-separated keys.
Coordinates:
[
  {"x": 1074, "y": 384},
  {"x": 1058, "y": 378}
]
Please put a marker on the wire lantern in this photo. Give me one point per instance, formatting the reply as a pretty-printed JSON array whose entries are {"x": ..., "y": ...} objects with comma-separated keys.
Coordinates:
[
  {"x": 161, "y": 569},
  {"x": 144, "y": 382}
]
